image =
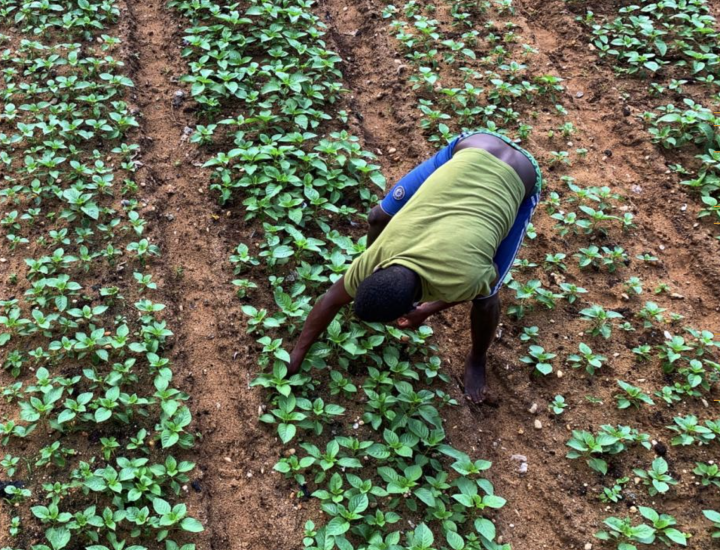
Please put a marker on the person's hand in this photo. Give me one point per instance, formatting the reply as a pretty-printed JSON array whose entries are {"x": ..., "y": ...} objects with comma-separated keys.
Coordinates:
[
  {"x": 296, "y": 360},
  {"x": 414, "y": 319}
]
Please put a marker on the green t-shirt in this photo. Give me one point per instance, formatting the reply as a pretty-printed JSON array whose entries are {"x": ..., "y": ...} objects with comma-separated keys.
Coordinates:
[{"x": 449, "y": 230}]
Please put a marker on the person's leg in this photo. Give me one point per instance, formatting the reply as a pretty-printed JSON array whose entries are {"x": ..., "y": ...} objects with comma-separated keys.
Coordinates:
[
  {"x": 485, "y": 314},
  {"x": 484, "y": 319}
]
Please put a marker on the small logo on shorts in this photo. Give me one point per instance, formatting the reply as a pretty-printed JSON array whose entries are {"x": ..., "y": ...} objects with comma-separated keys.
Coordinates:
[{"x": 399, "y": 193}]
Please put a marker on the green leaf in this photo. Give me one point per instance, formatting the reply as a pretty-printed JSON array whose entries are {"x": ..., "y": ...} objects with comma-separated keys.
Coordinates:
[
  {"x": 286, "y": 432},
  {"x": 358, "y": 504},
  {"x": 161, "y": 506},
  {"x": 455, "y": 541},
  {"x": 423, "y": 537},
  {"x": 676, "y": 536},
  {"x": 598, "y": 465},
  {"x": 337, "y": 526},
  {"x": 486, "y": 528},
  {"x": 102, "y": 414},
  {"x": 191, "y": 525},
  {"x": 58, "y": 538},
  {"x": 426, "y": 496},
  {"x": 282, "y": 251}
]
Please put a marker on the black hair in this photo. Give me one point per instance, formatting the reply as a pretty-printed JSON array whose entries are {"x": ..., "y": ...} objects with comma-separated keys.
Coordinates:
[{"x": 387, "y": 294}]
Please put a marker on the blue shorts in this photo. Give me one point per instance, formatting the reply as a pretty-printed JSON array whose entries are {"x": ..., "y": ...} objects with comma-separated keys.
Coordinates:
[{"x": 404, "y": 189}]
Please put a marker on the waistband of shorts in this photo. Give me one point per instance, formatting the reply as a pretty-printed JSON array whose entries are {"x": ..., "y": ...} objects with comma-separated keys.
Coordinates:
[{"x": 538, "y": 173}]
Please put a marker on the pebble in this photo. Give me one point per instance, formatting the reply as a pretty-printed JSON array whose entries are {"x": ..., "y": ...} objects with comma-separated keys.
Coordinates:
[
  {"x": 559, "y": 374},
  {"x": 519, "y": 458},
  {"x": 676, "y": 296},
  {"x": 579, "y": 94},
  {"x": 3, "y": 260},
  {"x": 533, "y": 409},
  {"x": 633, "y": 509},
  {"x": 227, "y": 459},
  {"x": 178, "y": 98},
  {"x": 538, "y": 424},
  {"x": 625, "y": 297},
  {"x": 523, "y": 468},
  {"x": 588, "y": 546}
]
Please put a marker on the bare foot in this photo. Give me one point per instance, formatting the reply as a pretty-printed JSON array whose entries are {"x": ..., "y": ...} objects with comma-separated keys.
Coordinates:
[{"x": 476, "y": 389}]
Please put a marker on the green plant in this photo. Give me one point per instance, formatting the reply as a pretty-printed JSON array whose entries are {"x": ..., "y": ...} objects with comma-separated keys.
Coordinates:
[
  {"x": 713, "y": 517},
  {"x": 614, "y": 493},
  {"x": 632, "y": 396},
  {"x": 540, "y": 359},
  {"x": 586, "y": 358},
  {"x": 709, "y": 474},
  {"x": 656, "y": 477},
  {"x": 558, "y": 405},
  {"x": 690, "y": 431},
  {"x": 601, "y": 320}
]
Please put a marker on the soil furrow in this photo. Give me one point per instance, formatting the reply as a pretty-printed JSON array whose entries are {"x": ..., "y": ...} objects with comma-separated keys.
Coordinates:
[{"x": 235, "y": 485}]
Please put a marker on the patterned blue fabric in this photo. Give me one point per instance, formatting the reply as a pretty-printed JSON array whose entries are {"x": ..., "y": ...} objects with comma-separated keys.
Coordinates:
[{"x": 509, "y": 247}]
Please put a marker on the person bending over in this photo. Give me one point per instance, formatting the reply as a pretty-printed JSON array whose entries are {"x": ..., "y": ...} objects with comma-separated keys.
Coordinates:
[{"x": 446, "y": 233}]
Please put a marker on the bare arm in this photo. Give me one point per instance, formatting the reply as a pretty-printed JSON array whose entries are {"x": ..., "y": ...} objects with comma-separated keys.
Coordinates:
[
  {"x": 377, "y": 220},
  {"x": 322, "y": 314},
  {"x": 420, "y": 314}
]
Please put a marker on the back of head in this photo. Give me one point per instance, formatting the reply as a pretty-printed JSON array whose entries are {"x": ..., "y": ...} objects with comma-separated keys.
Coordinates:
[{"x": 387, "y": 294}]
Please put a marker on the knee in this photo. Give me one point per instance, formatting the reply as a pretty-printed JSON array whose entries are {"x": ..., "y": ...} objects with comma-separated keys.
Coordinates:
[
  {"x": 378, "y": 217},
  {"x": 487, "y": 304}
]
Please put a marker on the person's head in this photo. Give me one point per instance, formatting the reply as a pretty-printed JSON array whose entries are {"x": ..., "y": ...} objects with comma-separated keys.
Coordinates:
[{"x": 387, "y": 294}]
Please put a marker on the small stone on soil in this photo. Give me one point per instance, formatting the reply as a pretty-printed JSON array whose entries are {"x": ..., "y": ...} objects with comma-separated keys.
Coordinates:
[
  {"x": 178, "y": 98},
  {"x": 538, "y": 424},
  {"x": 533, "y": 409},
  {"x": 519, "y": 458}
]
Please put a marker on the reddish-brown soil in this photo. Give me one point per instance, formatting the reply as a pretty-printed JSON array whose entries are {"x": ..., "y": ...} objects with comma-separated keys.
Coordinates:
[{"x": 247, "y": 506}]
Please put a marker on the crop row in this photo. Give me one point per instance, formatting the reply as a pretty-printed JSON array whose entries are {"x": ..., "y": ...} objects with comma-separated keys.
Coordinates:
[
  {"x": 677, "y": 45},
  {"x": 92, "y": 422}
]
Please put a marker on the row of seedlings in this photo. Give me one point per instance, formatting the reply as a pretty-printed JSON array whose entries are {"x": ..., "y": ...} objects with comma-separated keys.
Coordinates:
[{"x": 92, "y": 422}]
